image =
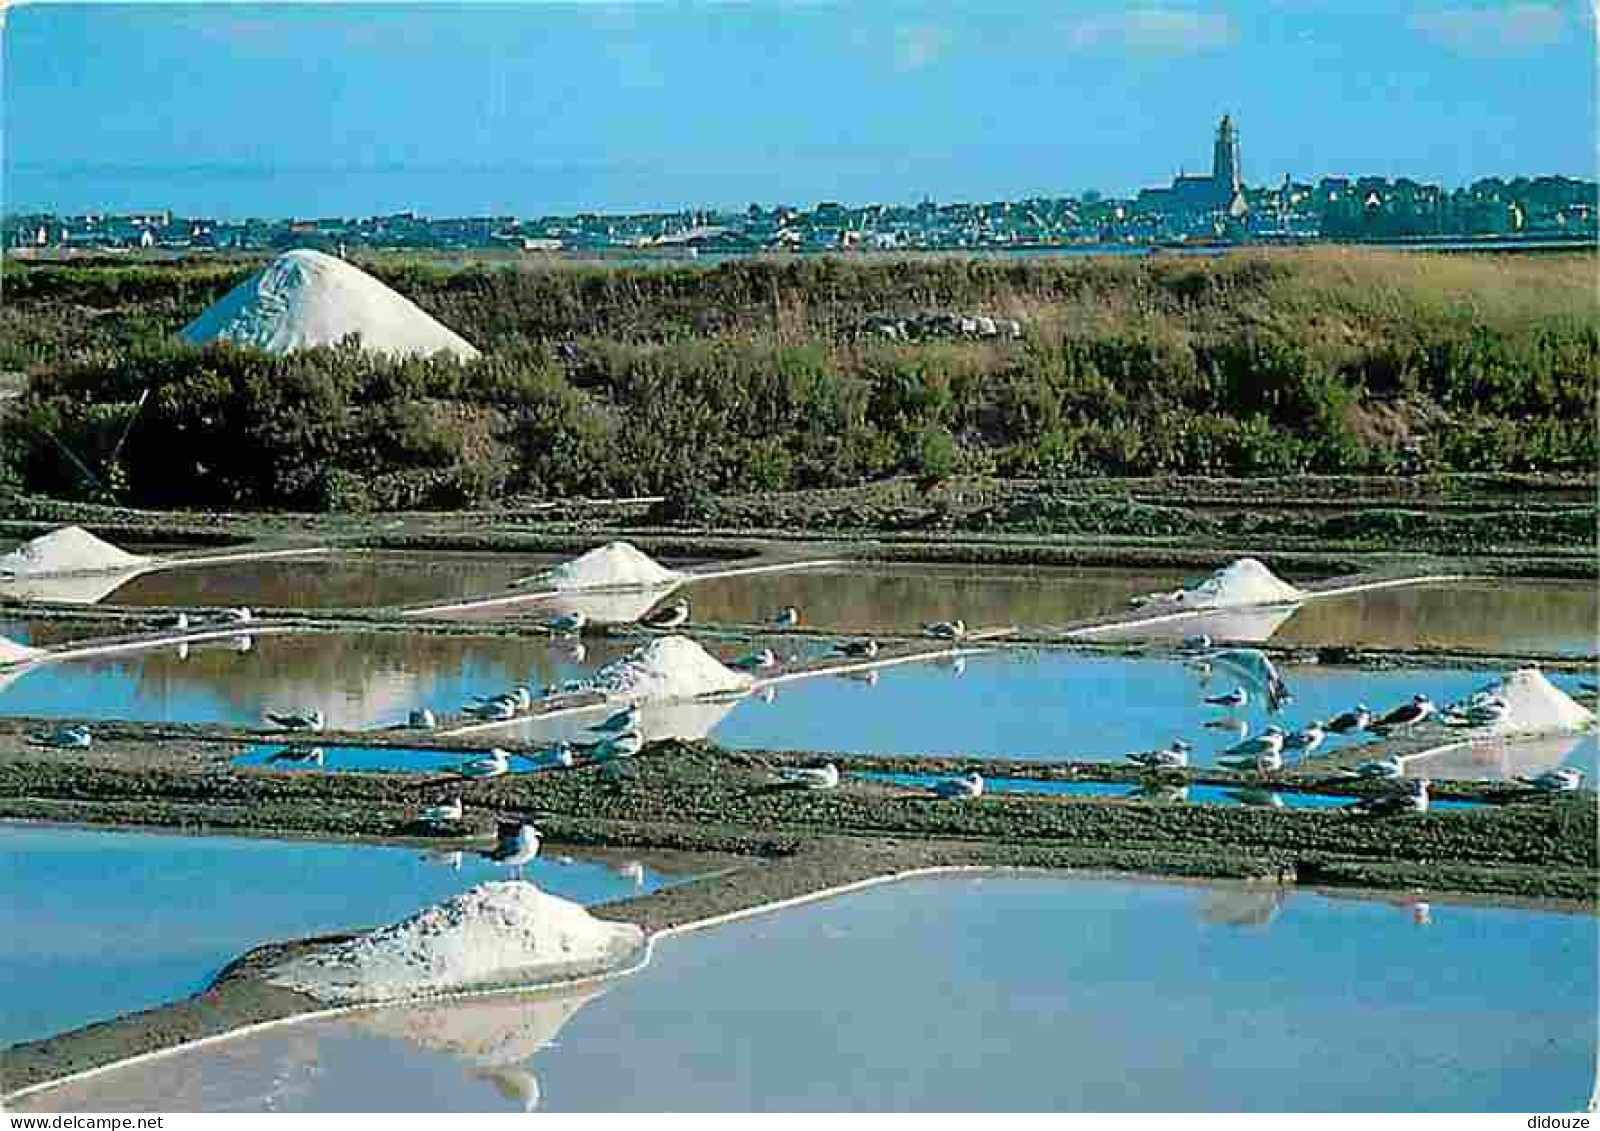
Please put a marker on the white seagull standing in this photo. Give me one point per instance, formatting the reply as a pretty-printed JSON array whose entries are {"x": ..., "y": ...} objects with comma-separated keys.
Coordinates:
[
  {"x": 496, "y": 764},
  {"x": 308, "y": 720},
  {"x": 1307, "y": 740},
  {"x": 1238, "y": 697},
  {"x": 422, "y": 719},
  {"x": 1413, "y": 800},
  {"x": 960, "y": 789},
  {"x": 446, "y": 813},
  {"x": 1173, "y": 757},
  {"x": 1264, "y": 753},
  {"x": 1564, "y": 780},
  {"x": 946, "y": 629},
  {"x": 1350, "y": 721},
  {"x": 241, "y": 615},
  {"x": 517, "y": 845},
  {"x": 823, "y": 777}
]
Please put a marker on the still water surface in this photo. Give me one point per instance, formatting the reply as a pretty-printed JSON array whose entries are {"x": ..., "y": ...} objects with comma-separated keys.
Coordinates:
[
  {"x": 101, "y": 923},
  {"x": 979, "y": 994}
]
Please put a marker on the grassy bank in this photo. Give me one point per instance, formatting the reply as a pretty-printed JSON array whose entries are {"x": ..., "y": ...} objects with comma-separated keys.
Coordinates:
[{"x": 760, "y": 376}]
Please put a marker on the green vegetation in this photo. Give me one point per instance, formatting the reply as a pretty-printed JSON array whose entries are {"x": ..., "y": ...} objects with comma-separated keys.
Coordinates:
[{"x": 754, "y": 376}]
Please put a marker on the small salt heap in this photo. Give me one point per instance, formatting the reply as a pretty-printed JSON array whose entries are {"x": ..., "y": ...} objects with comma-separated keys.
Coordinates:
[
  {"x": 616, "y": 565},
  {"x": 69, "y": 549},
  {"x": 671, "y": 667},
  {"x": 1245, "y": 582},
  {"x": 495, "y": 933}
]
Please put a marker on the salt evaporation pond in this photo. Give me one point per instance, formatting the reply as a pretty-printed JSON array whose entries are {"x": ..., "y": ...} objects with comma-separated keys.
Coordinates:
[
  {"x": 986, "y": 993},
  {"x": 101, "y": 923},
  {"x": 347, "y": 579},
  {"x": 1044, "y": 705},
  {"x": 357, "y": 680}
]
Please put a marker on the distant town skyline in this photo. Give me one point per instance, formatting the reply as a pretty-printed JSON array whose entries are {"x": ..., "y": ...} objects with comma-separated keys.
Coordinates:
[{"x": 234, "y": 111}]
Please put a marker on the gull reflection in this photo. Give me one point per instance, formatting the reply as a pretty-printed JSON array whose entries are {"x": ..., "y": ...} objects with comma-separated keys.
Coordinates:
[{"x": 1240, "y": 907}]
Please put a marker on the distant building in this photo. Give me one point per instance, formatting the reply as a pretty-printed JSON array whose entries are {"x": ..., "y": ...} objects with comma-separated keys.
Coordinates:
[{"x": 1191, "y": 196}]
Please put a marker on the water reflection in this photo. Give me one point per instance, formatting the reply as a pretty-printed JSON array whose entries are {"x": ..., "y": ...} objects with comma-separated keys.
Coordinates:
[{"x": 1321, "y": 1003}]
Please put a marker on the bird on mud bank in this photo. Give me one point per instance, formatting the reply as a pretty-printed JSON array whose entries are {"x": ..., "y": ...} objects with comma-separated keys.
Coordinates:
[
  {"x": 625, "y": 719},
  {"x": 515, "y": 846},
  {"x": 946, "y": 629},
  {"x": 858, "y": 649},
  {"x": 1409, "y": 715},
  {"x": 1236, "y": 698},
  {"x": 446, "y": 813},
  {"x": 807, "y": 777},
  {"x": 496, "y": 764},
  {"x": 1351, "y": 721},
  {"x": 65, "y": 737},
  {"x": 1264, "y": 753},
  {"x": 959, "y": 789},
  {"x": 1564, "y": 780},
  {"x": 675, "y": 615},
  {"x": 761, "y": 660},
  {"x": 1413, "y": 800},
  {"x": 567, "y": 624},
  {"x": 787, "y": 618},
  {"x": 1173, "y": 757},
  {"x": 306, "y": 720},
  {"x": 1306, "y": 740}
]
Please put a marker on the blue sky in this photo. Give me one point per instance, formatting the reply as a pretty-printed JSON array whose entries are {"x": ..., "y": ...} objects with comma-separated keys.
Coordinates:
[{"x": 331, "y": 108}]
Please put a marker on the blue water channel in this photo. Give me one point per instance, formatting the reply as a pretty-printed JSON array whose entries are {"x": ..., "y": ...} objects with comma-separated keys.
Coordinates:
[
  {"x": 100, "y": 923},
  {"x": 979, "y": 993}
]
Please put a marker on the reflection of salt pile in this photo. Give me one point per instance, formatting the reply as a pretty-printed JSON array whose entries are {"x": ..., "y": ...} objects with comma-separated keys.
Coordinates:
[
  {"x": 71, "y": 549},
  {"x": 304, "y": 299},
  {"x": 1245, "y": 582},
  {"x": 1501, "y": 758},
  {"x": 489, "y": 1032},
  {"x": 494, "y": 933},
  {"x": 13, "y": 653},
  {"x": 672, "y": 667},
  {"x": 606, "y": 606},
  {"x": 1537, "y": 705},
  {"x": 68, "y": 588},
  {"x": 1243, "y": 626},
  {"x": 616, "y": 565}
]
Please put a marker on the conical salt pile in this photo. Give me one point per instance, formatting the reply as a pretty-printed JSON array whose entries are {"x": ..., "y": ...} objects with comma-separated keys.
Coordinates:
[
  {"x": 1537, "y": 706},
  {"x": 616, "y": 565},
  {"x": 1245, "y": 582},
  {"x": 71, "y": 549},
  {"x": 305, "y": 298},
  {"x": 671, "y": 667},
  {"x": 13, "y": 653}
]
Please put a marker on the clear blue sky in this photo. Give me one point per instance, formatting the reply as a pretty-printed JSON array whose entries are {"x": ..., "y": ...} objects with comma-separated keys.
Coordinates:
[{"x": 319, "y": 109}]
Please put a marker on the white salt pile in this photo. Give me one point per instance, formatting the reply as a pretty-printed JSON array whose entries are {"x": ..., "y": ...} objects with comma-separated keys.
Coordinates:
[
  {"x": 616, "y": 565},
  {"x": 1245, "y": 582},
  {"x": 671, "y": 667},
  {"x": 305, "y": 298},
  {"x": 1537, "y": 705},
  {"x": 70, "y": 549},
  {"x": 13, "y": 653},
  {"x": 495, "y": 933}
]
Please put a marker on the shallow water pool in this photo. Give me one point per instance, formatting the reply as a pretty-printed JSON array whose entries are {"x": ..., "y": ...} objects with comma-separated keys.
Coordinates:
[
  {"x": 986, "y": 993},
  {"x": 100, "y": 923}
]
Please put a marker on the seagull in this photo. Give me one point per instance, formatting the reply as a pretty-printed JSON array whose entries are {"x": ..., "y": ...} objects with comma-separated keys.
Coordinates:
[
  {"x": 302, "y": 755},
  {"x": 241, "y": 615},
  {"x": 498, "y": 709},
  {"x": 1307, "y": 740},
  {"x": 448, "y": 813},
  {"x": 1191, "y": 645},
  {"x": 1359, "y": 719},
  {"x": 1238, "y": 697},
  {"x": 1564, "y": 780},
  {"x": 674, "y": 615},
  {"x": 517, "y": 844},
  {"x": 946, "y": 629},
  {"x": 308, "y": 720},
  {"x": 825, "y": 777},
  {"x": 576, "y": 651},
  {"x": 1411, "y": 714},
  {"x": 858, "y": 648},
  {"x": 1389, "y": 769},
  {"x": 496, "y": 764},
  {"x": 181, "y": 622},
  {"x": 633, "y": 870},
  {"x": 561, "y": 755},
  {"x": 1481, "y": 711},
  {"x": 1264, "y": 753},
  {"x": 1175, "y": 756},
  {"x": 68, "y": 738},
  {"x": 787, "y": 618},
  {"x": 567, "y": 624},
  {"x": 1414, "y": 800},
  {"x": 624, "y": 745},
  {"x": 759, "y": 661},
  {"x": 625, "y": 719},
  {"x": 960, "y": 789},
  {"x": 869, "y": 678},
  {"x": 422, "y": 719}
]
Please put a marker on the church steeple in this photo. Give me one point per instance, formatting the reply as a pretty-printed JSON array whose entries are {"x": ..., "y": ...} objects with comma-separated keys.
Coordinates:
[{"x": 1225, "y": 161}]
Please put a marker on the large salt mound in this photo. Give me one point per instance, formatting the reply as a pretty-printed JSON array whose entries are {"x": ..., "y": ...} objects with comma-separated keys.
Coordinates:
[
  {"x": 495, "y": 933},
  {"x": 71, "y": 549},
  {"x": 305, "y": 298},
  {"x": 1245, "y": 582},
  {"x": 616, "y": 565},
  {"x": 672, "y": 667},
  {"x": 13, "y": 653},
  {"x": 1537, "y": 705}
]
